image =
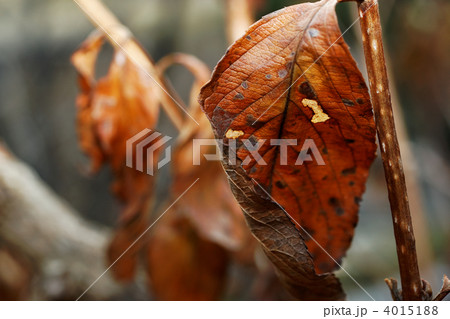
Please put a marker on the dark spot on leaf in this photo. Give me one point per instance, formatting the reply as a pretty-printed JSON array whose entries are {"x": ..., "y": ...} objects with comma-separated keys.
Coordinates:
[
  {"x": 250, "y": 119},
  {"x": 325, "y": 150},
  {"x": 325, "y": 178},
  {"x": 282, "y": 73},
  {"x": 280, "y": 184},
  {"x": 334, "y": 202},
  {"x": 362, "y": 85},
  {"x": 257, "y": 124},
  {"x": 351, "y": 183},
  {"x": 348, "y": 171},
  {"x": 357, "y": 200},
  {"x": 313, "y": 32},
  {"x": 339, "y": 211},
  {"x": 268, "y": 76},
  {"x": 348, "y": 102},
  {"x": 245, "y": 85},
  {"x": 248, "y": 37},
  {"x": 306, "y": 89},
  {"x": 239, "y": 96},
  {"x": 349, "y": 140},
  {"x": 253, "y": 169},
  {"x": 360, "y": 101}
]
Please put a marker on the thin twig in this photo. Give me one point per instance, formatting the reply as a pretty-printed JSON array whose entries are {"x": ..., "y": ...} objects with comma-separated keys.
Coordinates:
[
  {"x": 445, "y": 290},
  {"x": 390, "y": 151},
  {"x": 121, "y": 38},
  {"x": 425, "y": 255}
]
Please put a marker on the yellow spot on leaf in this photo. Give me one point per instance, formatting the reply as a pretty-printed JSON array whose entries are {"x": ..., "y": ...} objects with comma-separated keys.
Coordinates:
[
  {"x": 233, "y": 134},
  {"x": 319, "y": 115}
]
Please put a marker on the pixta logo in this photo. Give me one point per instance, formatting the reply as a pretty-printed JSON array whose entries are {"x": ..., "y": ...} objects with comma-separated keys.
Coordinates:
[
  {"x": 308, "y": 151},
  {"x": 142, "y": 151},
  {"x": 144, "y": 148}
]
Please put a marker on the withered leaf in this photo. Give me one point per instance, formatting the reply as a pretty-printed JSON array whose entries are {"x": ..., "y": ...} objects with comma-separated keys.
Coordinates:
[
  {"x": 292, "y": 77},
  {"x": 182, "y": 265},
  {"x": 188, "y": 250},
  {"x": 210, "y": 205},
  {"x": 111, "y": 110}
]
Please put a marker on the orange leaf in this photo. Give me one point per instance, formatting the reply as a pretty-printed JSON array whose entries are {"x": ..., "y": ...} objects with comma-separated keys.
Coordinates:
[
  {"x": 210, "y": 204},
  {"x": 111, "y": 111},
  {"x": 182, "y": 265},
  {"x": 291, "y": 76}
]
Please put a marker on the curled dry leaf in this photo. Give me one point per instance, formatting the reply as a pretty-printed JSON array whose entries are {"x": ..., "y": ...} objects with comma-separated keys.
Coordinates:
[
  {"x": 292, "y": 77},
  {"x": 201, "y": 75},
  {"x": 110, "y": 111},
  {"x": 210, "y": 205},
  {"x": 188, "y": 253},
  {"x": 182, "y": 265},
  {"x": 239, "y": 15}
]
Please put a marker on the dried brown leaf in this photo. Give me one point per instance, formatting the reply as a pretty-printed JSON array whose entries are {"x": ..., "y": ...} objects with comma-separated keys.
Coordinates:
[
  {"x": 292, "y": 77},
  {"x": 111, "y": 110},
  {"x": 183, "y": 266}
]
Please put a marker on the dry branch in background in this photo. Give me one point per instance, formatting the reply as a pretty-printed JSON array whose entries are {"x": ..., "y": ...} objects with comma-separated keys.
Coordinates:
[
  {"x": 240, "y": 15},
  {"x": 65, "y": 252}
]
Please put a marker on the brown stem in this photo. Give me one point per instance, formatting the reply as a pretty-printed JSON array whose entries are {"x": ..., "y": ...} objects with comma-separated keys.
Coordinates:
[
  {"x": 390, "y": 151},
  {"x": 425, "y": 254},
  {"x": 120, "y": 37}
]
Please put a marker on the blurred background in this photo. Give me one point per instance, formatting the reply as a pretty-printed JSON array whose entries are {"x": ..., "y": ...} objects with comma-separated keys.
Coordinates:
[{"x": 38, "y": 89}]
